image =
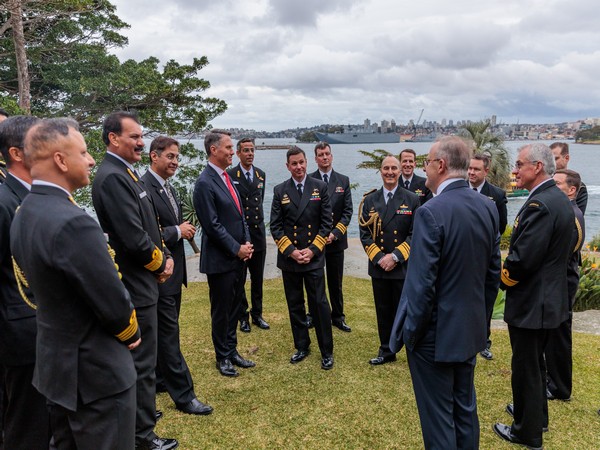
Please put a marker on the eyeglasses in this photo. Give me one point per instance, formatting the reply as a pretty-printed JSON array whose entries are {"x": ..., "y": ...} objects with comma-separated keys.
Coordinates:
[
  {"x": 519, "y": 164},
  {"x": 426, "y": 162}
]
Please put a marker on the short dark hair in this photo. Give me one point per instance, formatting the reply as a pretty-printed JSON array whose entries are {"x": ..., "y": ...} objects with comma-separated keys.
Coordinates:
[
  {"x": 112, "y": 123},
  {"x": 243, "y": 140},
  {"x": 321, "y": 146},
  {"x": 564, "y": 147},
  {"x": 45, "y": 131},
  {"x": 214, "y": 137},
  {"x": 572, "y": 178},
  {"x": 160, "y": 144},
  {"x": 12, "y": 134},
  {"x": 4, "y": 113},
  {"x": 484, "y": 158},
  {"x": 407, "y": 150},
  {"x": 294, "y": 150}
]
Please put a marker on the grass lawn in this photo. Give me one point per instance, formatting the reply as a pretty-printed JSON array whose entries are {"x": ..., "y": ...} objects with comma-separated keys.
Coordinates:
[{"x": 280, "y": 405}]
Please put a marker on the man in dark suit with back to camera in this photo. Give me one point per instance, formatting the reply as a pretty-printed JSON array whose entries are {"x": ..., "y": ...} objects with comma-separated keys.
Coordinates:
[
  {"x": 164, "y": 161},
  {"x": 559, "y": 348},
  {"x": 86, "y": 323},
  {"x": 340, "y": 198},
  {"x": 127, "y": 214},
  {"x": 250, "y": 182},
  {"x": 534, "y": 276},
  {"x": 300, "y": 224},
  {"x": 386, "y": 226},
  {"x": 455, "y": 244},
  {"x": 479, "y": 167},
  {"x": 26, "y": 422},
  {"x": 225, "y": 247},
  {"x": 410, "y": 181}
]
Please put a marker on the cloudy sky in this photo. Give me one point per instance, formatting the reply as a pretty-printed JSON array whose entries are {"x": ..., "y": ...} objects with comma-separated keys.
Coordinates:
[{"x": 294, "y": 63}]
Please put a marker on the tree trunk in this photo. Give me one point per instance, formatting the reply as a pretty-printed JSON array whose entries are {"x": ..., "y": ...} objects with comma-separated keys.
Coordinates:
[{"x": 15, "y": 9}]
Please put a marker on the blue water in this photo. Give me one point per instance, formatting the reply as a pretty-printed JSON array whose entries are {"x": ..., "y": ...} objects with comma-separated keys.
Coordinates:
[{"x": 584, "y": 159}]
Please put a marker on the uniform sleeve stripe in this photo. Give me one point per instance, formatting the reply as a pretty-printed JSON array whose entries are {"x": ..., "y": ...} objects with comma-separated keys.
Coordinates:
[
  {"x": 157, "y": 260},
  {"x": 506, "y": 278},
  {"x": 320, "y": 242},
  {"x": 579, "y": 236},
  {"x": 283, "y": 243},
  {"x": 372, "y": 251},
  {"x": 343, "y": 228},
  {"x": 130, "y": 331},
  {"x": 404, "y": 248}
]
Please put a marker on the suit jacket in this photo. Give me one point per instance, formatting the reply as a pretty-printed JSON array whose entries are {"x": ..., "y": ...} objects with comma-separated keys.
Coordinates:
[
  {"x": 498, "y": 196},
  {"x": 300, "y": 222},
  {"x": 168, "y": 224},
  {"x": 224, "y": 228},
  {"x": 534, "y": 272},
  {"x": 417, "y": 185},
  {"x": 582, "y": 198},
  {"x": 253, "y": 196},
  {"x": 17, "y": 319},
  {"x": 340, "y": 198},
  {"x": 453, "y": 275},
  {"x": 391, "y": 232},
  {"x": 126, "y": 213},
  {"x": 85, "y": 316}
]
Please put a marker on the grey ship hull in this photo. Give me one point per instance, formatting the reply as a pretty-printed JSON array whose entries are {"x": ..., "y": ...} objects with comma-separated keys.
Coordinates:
[{"x": 358, "y": 138}]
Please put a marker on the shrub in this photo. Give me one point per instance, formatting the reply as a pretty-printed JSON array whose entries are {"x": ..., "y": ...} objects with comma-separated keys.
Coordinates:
[
  {"x": 505, "y": 238},
  {"x": 588, "y": 294}
]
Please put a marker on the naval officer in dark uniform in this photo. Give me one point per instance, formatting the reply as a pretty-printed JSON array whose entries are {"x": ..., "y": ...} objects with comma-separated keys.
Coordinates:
[
  {"x": 250, "y": 182},
  {"x": 86, "y": 324},
  {"x": 26, "y": 422},
  {"x": 414, "y": 183},
  {"x": 340, "y": 197},
  {"x": 300, "y": 224},
  {"x": 127, "y": 214},
  {"x": 386, "y": 222}
]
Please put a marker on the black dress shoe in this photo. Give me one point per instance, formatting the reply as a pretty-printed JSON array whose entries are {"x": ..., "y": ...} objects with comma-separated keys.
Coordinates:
[
  {"x": 309, "y": 322},
  {"x": 379, "y": 360},
  {"x": 342, "y": 325},
  {"x": 486, "y": 354},
  {"x": 510, "y": 409},
  {"x": 157, "y": 444},
  {"x": 226, "y": 368},
  {"x": 327, "y": 363},
  {"x": 505, "y": 433},
  {"x": 237, "y": 360},
  {"x": 160, "y": 387},
  {"x": 245, "y": 326},
  {"x": 551, "y": 396},
  {"x": 260, "y": 323},
  {"x": 299, "y": 356},
  {"x": 159, "y": 415},
  {"x": 195, "y": 407}
]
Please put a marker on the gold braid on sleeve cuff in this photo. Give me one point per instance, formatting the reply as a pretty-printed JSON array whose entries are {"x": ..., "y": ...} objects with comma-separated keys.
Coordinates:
[
  {"x": 283, "y": 243},
  {"x": 343, "y": 228},
  {"x": 131, "y": 329},
  {"x": 320, "y": 242},
  {"x": 372, "y": 251},
  {"x": 404, "y": 248},
  {"x": 506, "y": 278},
  {"x": 579, "y": 236},
  {"x": 157, "y": 260}
]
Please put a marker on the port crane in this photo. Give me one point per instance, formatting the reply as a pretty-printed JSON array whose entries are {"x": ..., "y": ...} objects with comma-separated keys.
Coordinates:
[{"x": 417, "y": 123}]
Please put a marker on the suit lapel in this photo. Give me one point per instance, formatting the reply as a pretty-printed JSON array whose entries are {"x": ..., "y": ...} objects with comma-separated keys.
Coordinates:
[
  {"x": 221, "y": 185},
  {"x": 162, "y": 194},
  {"x": 332, "y": 185},
  {"x": 391, "y": 208},
  {"x": 306, "y": 194}
]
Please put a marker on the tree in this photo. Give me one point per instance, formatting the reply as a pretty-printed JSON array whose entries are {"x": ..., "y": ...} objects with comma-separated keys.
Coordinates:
[
  {"x": 376, "y": 158},
  {"x": 485, "y": 142}
]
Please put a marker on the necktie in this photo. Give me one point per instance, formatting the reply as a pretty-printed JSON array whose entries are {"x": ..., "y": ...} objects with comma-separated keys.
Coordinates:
[
  {"x": 389, "y": 197},
  {"x": 232, "y": 191},
  {"x": 300, "y": 189},
  {"x": 325, "y": 178},
  {"x": 406, "y": 184},
  {"x": 475, "y": 189},
  {"x": 248, "y": 177},
  {"x": 171, "y": 199}
]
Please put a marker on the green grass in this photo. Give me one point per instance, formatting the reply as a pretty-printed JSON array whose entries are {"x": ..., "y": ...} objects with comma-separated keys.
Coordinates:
[{"x": 280, "y": 405}]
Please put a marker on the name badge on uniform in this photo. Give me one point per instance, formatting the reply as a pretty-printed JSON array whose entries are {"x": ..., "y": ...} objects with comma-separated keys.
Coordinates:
[{"x": 143, "y": 194}]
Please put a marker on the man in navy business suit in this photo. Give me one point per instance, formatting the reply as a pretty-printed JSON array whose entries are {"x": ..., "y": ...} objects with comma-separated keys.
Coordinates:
[
  {"x": 451, "y": 284},
  {"x": 225, "y": 247}
]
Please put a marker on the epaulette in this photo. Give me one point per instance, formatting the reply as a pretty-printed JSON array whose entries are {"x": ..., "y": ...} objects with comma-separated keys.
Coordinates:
[{"x": 370, "y": 192}]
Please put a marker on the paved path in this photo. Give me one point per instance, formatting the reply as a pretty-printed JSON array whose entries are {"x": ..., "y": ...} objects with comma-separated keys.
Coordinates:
[{"x": 355, "y": 262}]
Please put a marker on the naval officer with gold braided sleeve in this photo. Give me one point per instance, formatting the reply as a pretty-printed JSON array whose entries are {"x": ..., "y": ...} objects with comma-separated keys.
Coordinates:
[
  {"x": 86, "y": 324},
  {"x": 385, "y": 222},
  {"x": 300, "y": 224}
]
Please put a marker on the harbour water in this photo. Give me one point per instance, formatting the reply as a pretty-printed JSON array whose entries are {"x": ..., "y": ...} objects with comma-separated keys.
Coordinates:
[{"x": 585, "y": 159}]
